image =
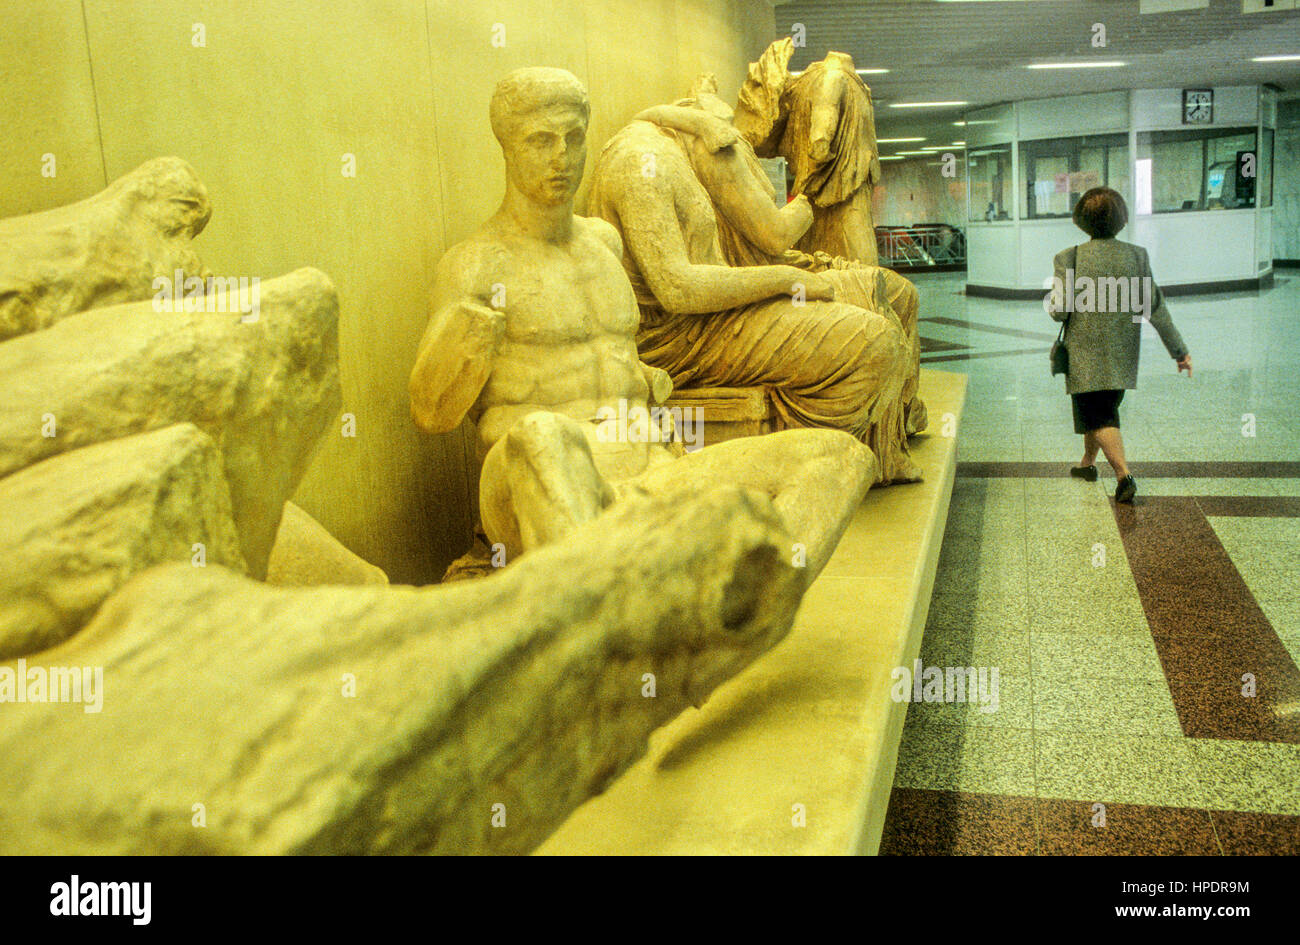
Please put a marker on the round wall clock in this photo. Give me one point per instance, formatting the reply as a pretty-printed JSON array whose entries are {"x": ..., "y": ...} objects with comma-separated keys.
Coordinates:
[{"x": 1198, "y": 106}]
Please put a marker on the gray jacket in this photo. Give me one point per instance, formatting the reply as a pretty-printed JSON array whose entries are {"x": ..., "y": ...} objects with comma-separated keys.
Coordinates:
[{"x": 1113, "y": 279}]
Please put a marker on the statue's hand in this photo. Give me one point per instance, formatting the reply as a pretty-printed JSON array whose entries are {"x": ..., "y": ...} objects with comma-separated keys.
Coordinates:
[
  {"x": 817, "y": 288},
  {"x": 799, "y": 210},
  {"x": 485, "y": 323},
  {"x": 718, "y": 134}
]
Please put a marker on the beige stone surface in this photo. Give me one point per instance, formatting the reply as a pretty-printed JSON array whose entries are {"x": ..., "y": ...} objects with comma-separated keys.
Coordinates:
[
  {"x": 106, "y": 249},
  {"x": 265, "y": 112},
  {"x": 532, "y": 689},
  {"x": 726, "y": 412},
  {"x": 532, "y": 336},
  {"x": 75, "y": 527},
  {"x": 263, "y": 390},
  {"x": 811, "y": 722},
  {"x": 304, "y": 554}
]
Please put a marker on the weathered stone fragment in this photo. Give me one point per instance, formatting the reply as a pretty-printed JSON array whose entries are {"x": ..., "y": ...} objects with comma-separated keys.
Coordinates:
[
  {"x": 305, "y": 553},
  {"x": 75, "y": 527},
  {"x": 264, "y": 390},
  {"x": 391, "y": 719}
]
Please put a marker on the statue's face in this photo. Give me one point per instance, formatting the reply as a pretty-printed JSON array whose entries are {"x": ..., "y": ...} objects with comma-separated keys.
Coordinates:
[{"x": 546, "y": 154}]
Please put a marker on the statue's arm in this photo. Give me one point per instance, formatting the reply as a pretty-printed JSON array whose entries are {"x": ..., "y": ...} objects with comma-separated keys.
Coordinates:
[
  {"x": 455, "y": 356},
  {"x": 742, "y": 193},
  {"x": 712, "y": 131},
  {"x": 653, "y": 237},
  {"x": 729, "y": 171}
]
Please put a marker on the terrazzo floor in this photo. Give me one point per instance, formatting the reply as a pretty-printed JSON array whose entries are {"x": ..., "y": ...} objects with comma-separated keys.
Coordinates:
[{"x": 1149, "y": 696}]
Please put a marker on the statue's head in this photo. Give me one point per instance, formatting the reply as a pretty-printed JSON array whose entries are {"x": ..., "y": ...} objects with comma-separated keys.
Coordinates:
[
  {"x": 539, "y": 116},
  {"x": 168, "y": 192}
]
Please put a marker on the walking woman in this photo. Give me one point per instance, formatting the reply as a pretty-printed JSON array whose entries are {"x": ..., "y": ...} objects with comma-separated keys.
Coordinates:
[{"x": 1103, "y": 291}]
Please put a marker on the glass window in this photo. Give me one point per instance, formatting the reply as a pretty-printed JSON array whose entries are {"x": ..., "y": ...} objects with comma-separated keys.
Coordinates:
[
  {"x": 990, "y": 182},
  {"x": 1058, "y": 171},
  {"x": 1197, "y": 169}
]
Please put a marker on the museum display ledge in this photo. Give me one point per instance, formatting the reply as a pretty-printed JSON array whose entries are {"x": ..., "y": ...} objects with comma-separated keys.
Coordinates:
[
  {"x": 811, "y": 722},
  {"x": 944, "y": 267},
  {"x": 1264, "y": 281}
]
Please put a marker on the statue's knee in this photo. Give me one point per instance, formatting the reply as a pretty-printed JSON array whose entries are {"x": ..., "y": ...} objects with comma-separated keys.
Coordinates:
[
  {"x": 910, "y": 300},
  {"x": 540, "y": 430}
]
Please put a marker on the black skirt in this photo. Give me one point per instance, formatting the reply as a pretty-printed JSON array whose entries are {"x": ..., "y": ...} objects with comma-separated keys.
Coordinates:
[{"x": 1095, "y": 409}]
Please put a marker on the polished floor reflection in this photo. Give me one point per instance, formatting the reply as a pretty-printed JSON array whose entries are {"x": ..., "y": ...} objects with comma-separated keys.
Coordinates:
[{"x": 1150, "y": 695}]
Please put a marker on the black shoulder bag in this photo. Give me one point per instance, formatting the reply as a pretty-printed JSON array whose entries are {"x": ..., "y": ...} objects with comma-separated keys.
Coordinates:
[{"x": 1060, "y": 353}]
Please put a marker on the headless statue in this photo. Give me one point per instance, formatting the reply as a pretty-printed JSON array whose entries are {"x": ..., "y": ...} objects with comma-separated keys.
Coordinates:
[
  {"x": 830, "y": 352},
  {"x": 753, "y": 231},
  {"x": 823, "y": 123},
  {"x": 533, "y": 336}
]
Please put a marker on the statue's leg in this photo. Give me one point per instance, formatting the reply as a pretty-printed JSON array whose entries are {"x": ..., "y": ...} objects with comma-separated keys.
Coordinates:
[
  {"x": 816, "y": 479},
  {"x": 539, "y": 482},
  {"x": 826, "y": 364},
  {"x": 886, "y": 295}
]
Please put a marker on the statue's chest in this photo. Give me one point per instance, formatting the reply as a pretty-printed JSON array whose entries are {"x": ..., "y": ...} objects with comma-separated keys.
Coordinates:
[{"x": 569, "y": 297}]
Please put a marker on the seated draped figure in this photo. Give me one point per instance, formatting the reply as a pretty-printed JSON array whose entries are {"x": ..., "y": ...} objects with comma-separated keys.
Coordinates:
[
  {"x": 819, "y": 333},
  {"x": 532, "y": 335},
  {"x": 752, "y": 231}
]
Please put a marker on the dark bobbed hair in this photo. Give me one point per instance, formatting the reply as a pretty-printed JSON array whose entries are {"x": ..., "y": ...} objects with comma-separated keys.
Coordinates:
[{"x": 1101, "y": 213}]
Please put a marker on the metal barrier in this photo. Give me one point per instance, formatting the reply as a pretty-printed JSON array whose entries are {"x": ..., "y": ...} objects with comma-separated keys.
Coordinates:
[{"x": 922, "y": 246}]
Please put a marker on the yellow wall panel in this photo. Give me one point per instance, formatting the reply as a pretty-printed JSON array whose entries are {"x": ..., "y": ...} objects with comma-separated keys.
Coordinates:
[
  {"x": 266, "y": 112},
  {"x": 47, "y": 106}
]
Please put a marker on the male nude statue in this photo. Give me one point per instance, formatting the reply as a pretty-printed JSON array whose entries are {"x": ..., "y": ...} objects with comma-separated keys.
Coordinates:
[
  {"x": 665, "y": 181},
  {"x": 532, "y": 335}
]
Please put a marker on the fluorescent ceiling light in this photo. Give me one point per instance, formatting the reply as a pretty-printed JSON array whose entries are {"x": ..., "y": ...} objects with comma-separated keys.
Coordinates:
[
  {"x": 870, "y": 71},
  {"x": 1087, "y": 64},
  {"x": 891, "y": 157},
  {"x": 897, "y": 140},
  {"x": 927, "y": 104},
  {"x": 1287, "y": 58},
  {"x": 926, "y": 153}
]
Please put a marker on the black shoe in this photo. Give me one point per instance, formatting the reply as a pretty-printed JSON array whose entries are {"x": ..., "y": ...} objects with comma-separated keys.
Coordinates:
[
  {"x": 1086, "y": 473},
  {"x": 1125, "y": 489}
]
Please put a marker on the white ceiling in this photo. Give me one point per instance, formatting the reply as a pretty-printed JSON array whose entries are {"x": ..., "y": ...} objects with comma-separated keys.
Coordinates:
[{"x": 977, "y": 51}]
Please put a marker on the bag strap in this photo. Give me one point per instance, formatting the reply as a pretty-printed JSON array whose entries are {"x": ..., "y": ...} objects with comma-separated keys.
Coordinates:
[{"x": 1074, "y": 268}]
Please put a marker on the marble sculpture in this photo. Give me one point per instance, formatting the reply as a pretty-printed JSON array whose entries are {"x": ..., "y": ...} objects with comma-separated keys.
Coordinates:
[
  {"x": 820, "y": 334},
  {"x": 146, "y": 460},
  {"x": 533, "y": 336}
]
